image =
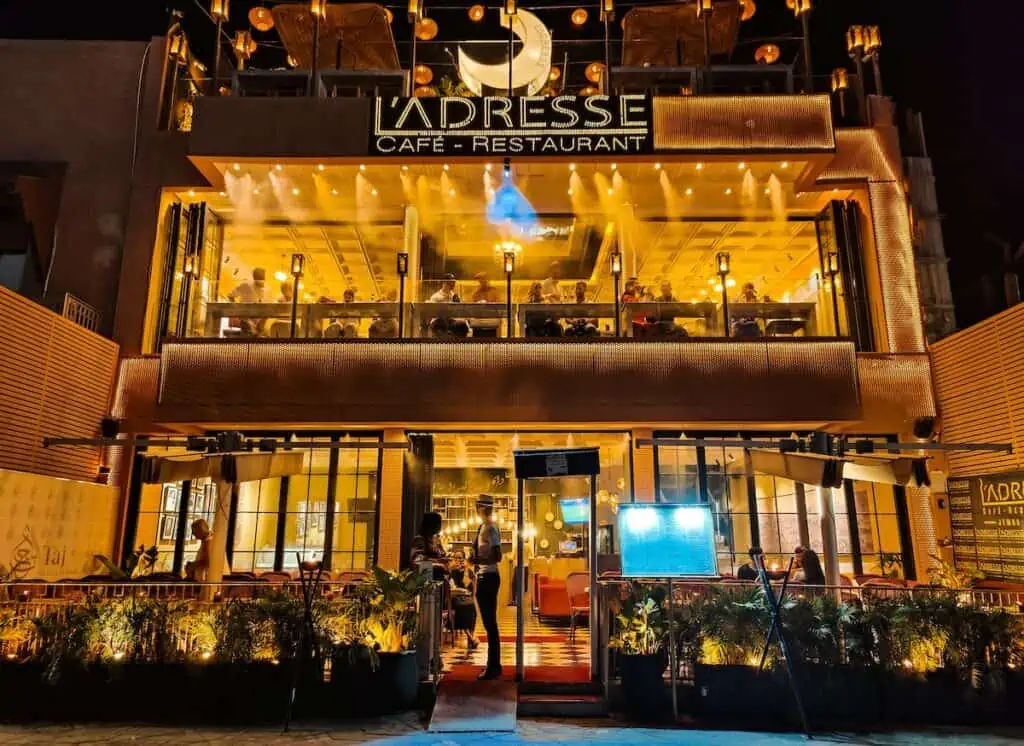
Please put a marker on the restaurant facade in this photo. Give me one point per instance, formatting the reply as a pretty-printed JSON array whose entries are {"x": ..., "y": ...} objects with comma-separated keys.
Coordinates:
[{"x": 712, "y": 284}]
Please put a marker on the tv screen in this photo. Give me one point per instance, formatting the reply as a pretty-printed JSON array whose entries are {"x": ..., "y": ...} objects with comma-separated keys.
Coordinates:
[{"x": 575, "y": 510}]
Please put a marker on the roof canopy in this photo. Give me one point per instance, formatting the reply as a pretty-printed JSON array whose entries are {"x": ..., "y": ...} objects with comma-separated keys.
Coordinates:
[
  {"x": 830, "y": 471},
  {"x": 229, "y": 467}
]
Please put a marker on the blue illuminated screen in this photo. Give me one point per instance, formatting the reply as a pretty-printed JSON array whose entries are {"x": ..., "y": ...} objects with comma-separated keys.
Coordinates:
[
  {"x": 667, "y": 541},
  {"x": 575, "y": 510}
]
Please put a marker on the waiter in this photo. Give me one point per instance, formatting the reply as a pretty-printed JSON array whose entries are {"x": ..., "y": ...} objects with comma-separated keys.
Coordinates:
[{"x": 486, "y": 554}]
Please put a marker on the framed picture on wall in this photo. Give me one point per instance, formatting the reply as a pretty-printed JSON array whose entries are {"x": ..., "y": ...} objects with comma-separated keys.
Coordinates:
[{"x": 169, "y": 512}]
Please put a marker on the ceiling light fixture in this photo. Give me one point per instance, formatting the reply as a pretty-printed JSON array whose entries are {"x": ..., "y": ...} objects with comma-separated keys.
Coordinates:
[{"x": 296, "y": 191}]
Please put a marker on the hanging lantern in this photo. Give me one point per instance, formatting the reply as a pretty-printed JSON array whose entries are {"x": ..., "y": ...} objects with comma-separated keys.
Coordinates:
[
  {"x": 594, "y": 72},
  {"x": 415, "y": 10},
  {"x": 425, "y": 91},
  {"x": 589, "y": 91},
  {"x": 749, "y": 9},
  {"x": 579, "y": 17},
  {"x": 426, "y": 29},
  {"x": 767, "y": 54},
  {"x": 318, "y": 8},
  {"x": 244, "y": 45},
  {"x": 510, "y": 8},
  {"x": 556, "y": 73},
  {"x": 705, "y": 8},
  {"x": 840, "y": 80},
  {"x": 423, "y": 74},
  {"x": 607, "y": 10},
  {"x": 219, "y": 10},
  {"x": 476, "y": 13},
  {"x": 261, "y": 18}
]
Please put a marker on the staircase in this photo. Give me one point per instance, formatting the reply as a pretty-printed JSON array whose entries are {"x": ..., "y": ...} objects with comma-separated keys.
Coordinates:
[{"x": 561, "y": 700}]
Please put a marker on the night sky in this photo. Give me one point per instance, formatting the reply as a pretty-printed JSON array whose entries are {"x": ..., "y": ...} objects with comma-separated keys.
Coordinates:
[{"x": 956, "y": 61}]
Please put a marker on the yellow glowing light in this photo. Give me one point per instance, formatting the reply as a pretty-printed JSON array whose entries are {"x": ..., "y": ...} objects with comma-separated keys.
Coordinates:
[
  {"x": 451, "y": 192},
  {"x": 700, "y": 166},
  {"x": 445, "y": 167},
  {"x": 191, "y": 192},
  {"x": 373, "y": 192},
  {"x": 423, "y": 74},
  {"x": 280, "y": 276},
  {"x": 594, "y": 72},
  {"x": 476, "y": 13},
  {"x": 296, "y": 191},
  {"x": 614, "y": 166},
  {"x": 487, "y": 167},
  {"x": 728, "y": 190},
  {"x": 555, "y": 74},
  {"x": 730, "y": 283},
  {"x": 223, "y": 194},
  {"x": 588, "y": 91},
  {"x": 321, "y": 167},
  {"x": 236, "y": 166},
  {"x": 261, "y": 19},
  {"x": 572, "y": 166},
  {"x": 741, "y": 165},
  {"x": 256, "y": 190},
  {"x": 334, "y": 192},
  {"x": 570, "y": 191},
  {"x": 426, "y": 29},
  {"x": 610, "y": 191},
  {"x": 689, "y": 191},
  {"x": 784, "y": 165},
  {"x": 278, "y": 167},
  {"x": 657, "y": 166},
  {"x": 389, "y": 15},
  {"x": 579, "y": 17}
]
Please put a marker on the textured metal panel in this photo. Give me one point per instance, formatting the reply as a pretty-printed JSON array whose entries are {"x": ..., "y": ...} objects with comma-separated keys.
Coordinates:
[
  {"x": 55, "y": 379},
  {"x": 425, "y": 381},
  {"x": 868, "y": 155},
  {"x": 744, "y": 123},
  {"x": 895, "y": 390},
  {"x": 979, "y": 380}
]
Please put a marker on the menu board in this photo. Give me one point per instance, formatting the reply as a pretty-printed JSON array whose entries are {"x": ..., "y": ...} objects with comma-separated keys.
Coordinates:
[
  {"x": 663, "y": 540},
  {"x": 987, "y": 516}
]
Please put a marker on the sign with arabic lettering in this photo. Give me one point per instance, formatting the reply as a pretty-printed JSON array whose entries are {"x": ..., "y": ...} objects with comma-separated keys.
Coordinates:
[{"x": 509, "y": 126}]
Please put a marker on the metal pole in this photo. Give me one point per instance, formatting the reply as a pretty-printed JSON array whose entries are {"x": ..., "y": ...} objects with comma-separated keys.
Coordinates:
[
  {"x": 511, "y": 39},
  {"x": 725, "y": 307},
  {"x": 707, "y": 53},
  {"x": 829, "y": 540},
  {"x": 295, "y": 303},
  {"x": 618, "y": 305},
  {"x": 835, "y": 303},
  {"x": 606, "y": 80},
  {"x": 401, "y": 306},
  {"x": 805, "y": 21},
  {"x": 508, "y": 304},
  {"x": 862, "y": 106},
  {"x": 412, "y": 64},
  {"x": 316, "y": 52},
  {"x": 594, "y": 649},
  {"x": 876, "y": 64},
  {"x": 174, "y": 95},
  {"x": 216, "y": 58},
  {"x": 672, "y": 652},
  {"x": 520, "y": 521},
  {"x": 180, "y": 530}
]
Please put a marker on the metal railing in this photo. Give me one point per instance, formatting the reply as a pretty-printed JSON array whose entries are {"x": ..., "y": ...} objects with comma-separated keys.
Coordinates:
[{"x": 77, "y": 310}]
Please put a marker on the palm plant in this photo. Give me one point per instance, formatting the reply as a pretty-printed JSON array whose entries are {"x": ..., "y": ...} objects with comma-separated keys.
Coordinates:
[
  {"x": 640, "y": 626},
  {"x": 388, "y": 602}
]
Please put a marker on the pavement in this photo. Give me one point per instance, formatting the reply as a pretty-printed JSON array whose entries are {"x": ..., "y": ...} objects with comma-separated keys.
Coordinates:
[{"x": 409, "y": 731}]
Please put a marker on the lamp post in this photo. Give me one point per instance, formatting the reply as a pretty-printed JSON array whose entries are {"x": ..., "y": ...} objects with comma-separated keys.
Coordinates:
[
  {"x": 415, "y": 14},
  {"x": 403, "y": 270},
  {"x": 802, "y": 9},
  {"x": 319, "y": 10},
  {"x": 244, "y": 46},
  {"x": 873, "y": 49},
  {"x": 840, "y": 84},
  {"x": 190, "y": 273},
  {"x": 298, "y": 264},
  {"x": 855, "y": 48},
  {"x": 616, "y": 277},
  {"x": 833, "y": 269},
  {"x": 510, "y": 10},
  {"x": 607, "y": 16},
  {"x": 177, "y": 52},
  {"x": 509, "y": 256},
  {"x": 704, "y": 10},
  {"x": 219, "y": 10},
  {"x": 722, "y": 260}
]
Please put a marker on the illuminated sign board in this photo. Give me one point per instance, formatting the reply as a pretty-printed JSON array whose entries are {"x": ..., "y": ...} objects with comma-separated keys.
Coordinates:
[
  {"x": 503, "y": 126},
  {"x": 663, "y": 540},
  {"x": 987, "y": 517}
]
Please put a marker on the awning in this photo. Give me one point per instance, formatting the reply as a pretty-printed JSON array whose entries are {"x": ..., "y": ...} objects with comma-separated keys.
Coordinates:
[
  {"x": 830, "y": 471},
  {"x": 883, "y": 469},
  {"x": 809, "y": 468},
  {"x": 230, "y": 467}
]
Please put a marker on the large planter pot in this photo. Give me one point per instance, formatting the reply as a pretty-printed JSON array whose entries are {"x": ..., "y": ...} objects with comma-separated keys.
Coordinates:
[
  {"x": 363, "y": 684},
  {"x": 839, "y": 695},
  {"x": 936, "y": 698},
  {"x": 643, "y": 685}
]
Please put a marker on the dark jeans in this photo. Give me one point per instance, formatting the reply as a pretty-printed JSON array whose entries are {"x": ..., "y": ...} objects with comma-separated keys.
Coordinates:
[{"x": 487, "y": 585}]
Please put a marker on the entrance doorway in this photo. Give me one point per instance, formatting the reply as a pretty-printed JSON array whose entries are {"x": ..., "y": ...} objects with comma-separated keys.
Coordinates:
[{"x": 534, "y": 606}]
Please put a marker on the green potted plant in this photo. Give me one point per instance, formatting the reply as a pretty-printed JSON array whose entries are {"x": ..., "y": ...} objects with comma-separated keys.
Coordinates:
[
  {"x": 639, "y": 636},
  {"x": 386, "y": 606}
]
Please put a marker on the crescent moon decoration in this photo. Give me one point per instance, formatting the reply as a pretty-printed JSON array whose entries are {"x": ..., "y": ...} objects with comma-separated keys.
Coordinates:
[{"x": 530, "y": 67}]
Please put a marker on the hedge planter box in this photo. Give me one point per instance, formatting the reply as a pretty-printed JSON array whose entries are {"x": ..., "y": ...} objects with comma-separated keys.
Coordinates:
[
  {"x": 172, "y": 692},
  {"x": 742, "y": 693}
]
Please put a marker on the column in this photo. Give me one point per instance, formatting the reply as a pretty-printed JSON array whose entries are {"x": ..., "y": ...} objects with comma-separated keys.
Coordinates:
[
  {"x": 644, "y": 468},
  {"x": 219, "y": 541},
  {"x": 829, "y": 543},
  {"x": 389, "y": 529}
]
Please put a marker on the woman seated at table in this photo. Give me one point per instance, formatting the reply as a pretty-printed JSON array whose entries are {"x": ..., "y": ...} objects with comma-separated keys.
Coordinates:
[
  {"x": 582, "y": 327},
  {"x": 540, "y": 324},
  {"x": 746, "y": 326},
  {"x": 808, "y": 567},
  {"x": 463, "y": 606}
]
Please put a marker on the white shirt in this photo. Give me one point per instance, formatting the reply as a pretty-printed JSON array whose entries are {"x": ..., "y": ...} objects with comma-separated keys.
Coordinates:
[
  {"x": 443, "y": 296},
  {"x": 247, "y": 292},
  {"x": 487, "y": 539},
  {"x": 550, "y": 291}
]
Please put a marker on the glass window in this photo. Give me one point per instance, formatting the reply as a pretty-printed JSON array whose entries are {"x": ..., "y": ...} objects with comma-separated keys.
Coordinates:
[
  {"x": 878, "y": 528},
  {"x": 355, "y": 509},
  {"x": 256, "y": 526}
]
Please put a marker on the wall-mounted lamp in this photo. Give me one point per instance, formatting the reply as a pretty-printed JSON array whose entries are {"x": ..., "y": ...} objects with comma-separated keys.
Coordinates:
[
  {"x": 832, "y": 269},
  {"x": 510, "y": 8},
  {"x": 415, "y": 10},
  {"x": 219, "y": 10},
  {"x": 616, "y": 263},
  {"x": 873, "y": 49},
  {"x": 607, "y": 10},
  {"x": 318, "y": 8},
  {"x": 298, "y": 265}
]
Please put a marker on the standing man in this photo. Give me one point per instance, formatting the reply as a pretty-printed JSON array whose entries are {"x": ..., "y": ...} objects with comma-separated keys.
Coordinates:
[{"x": 486, "y": 556}]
